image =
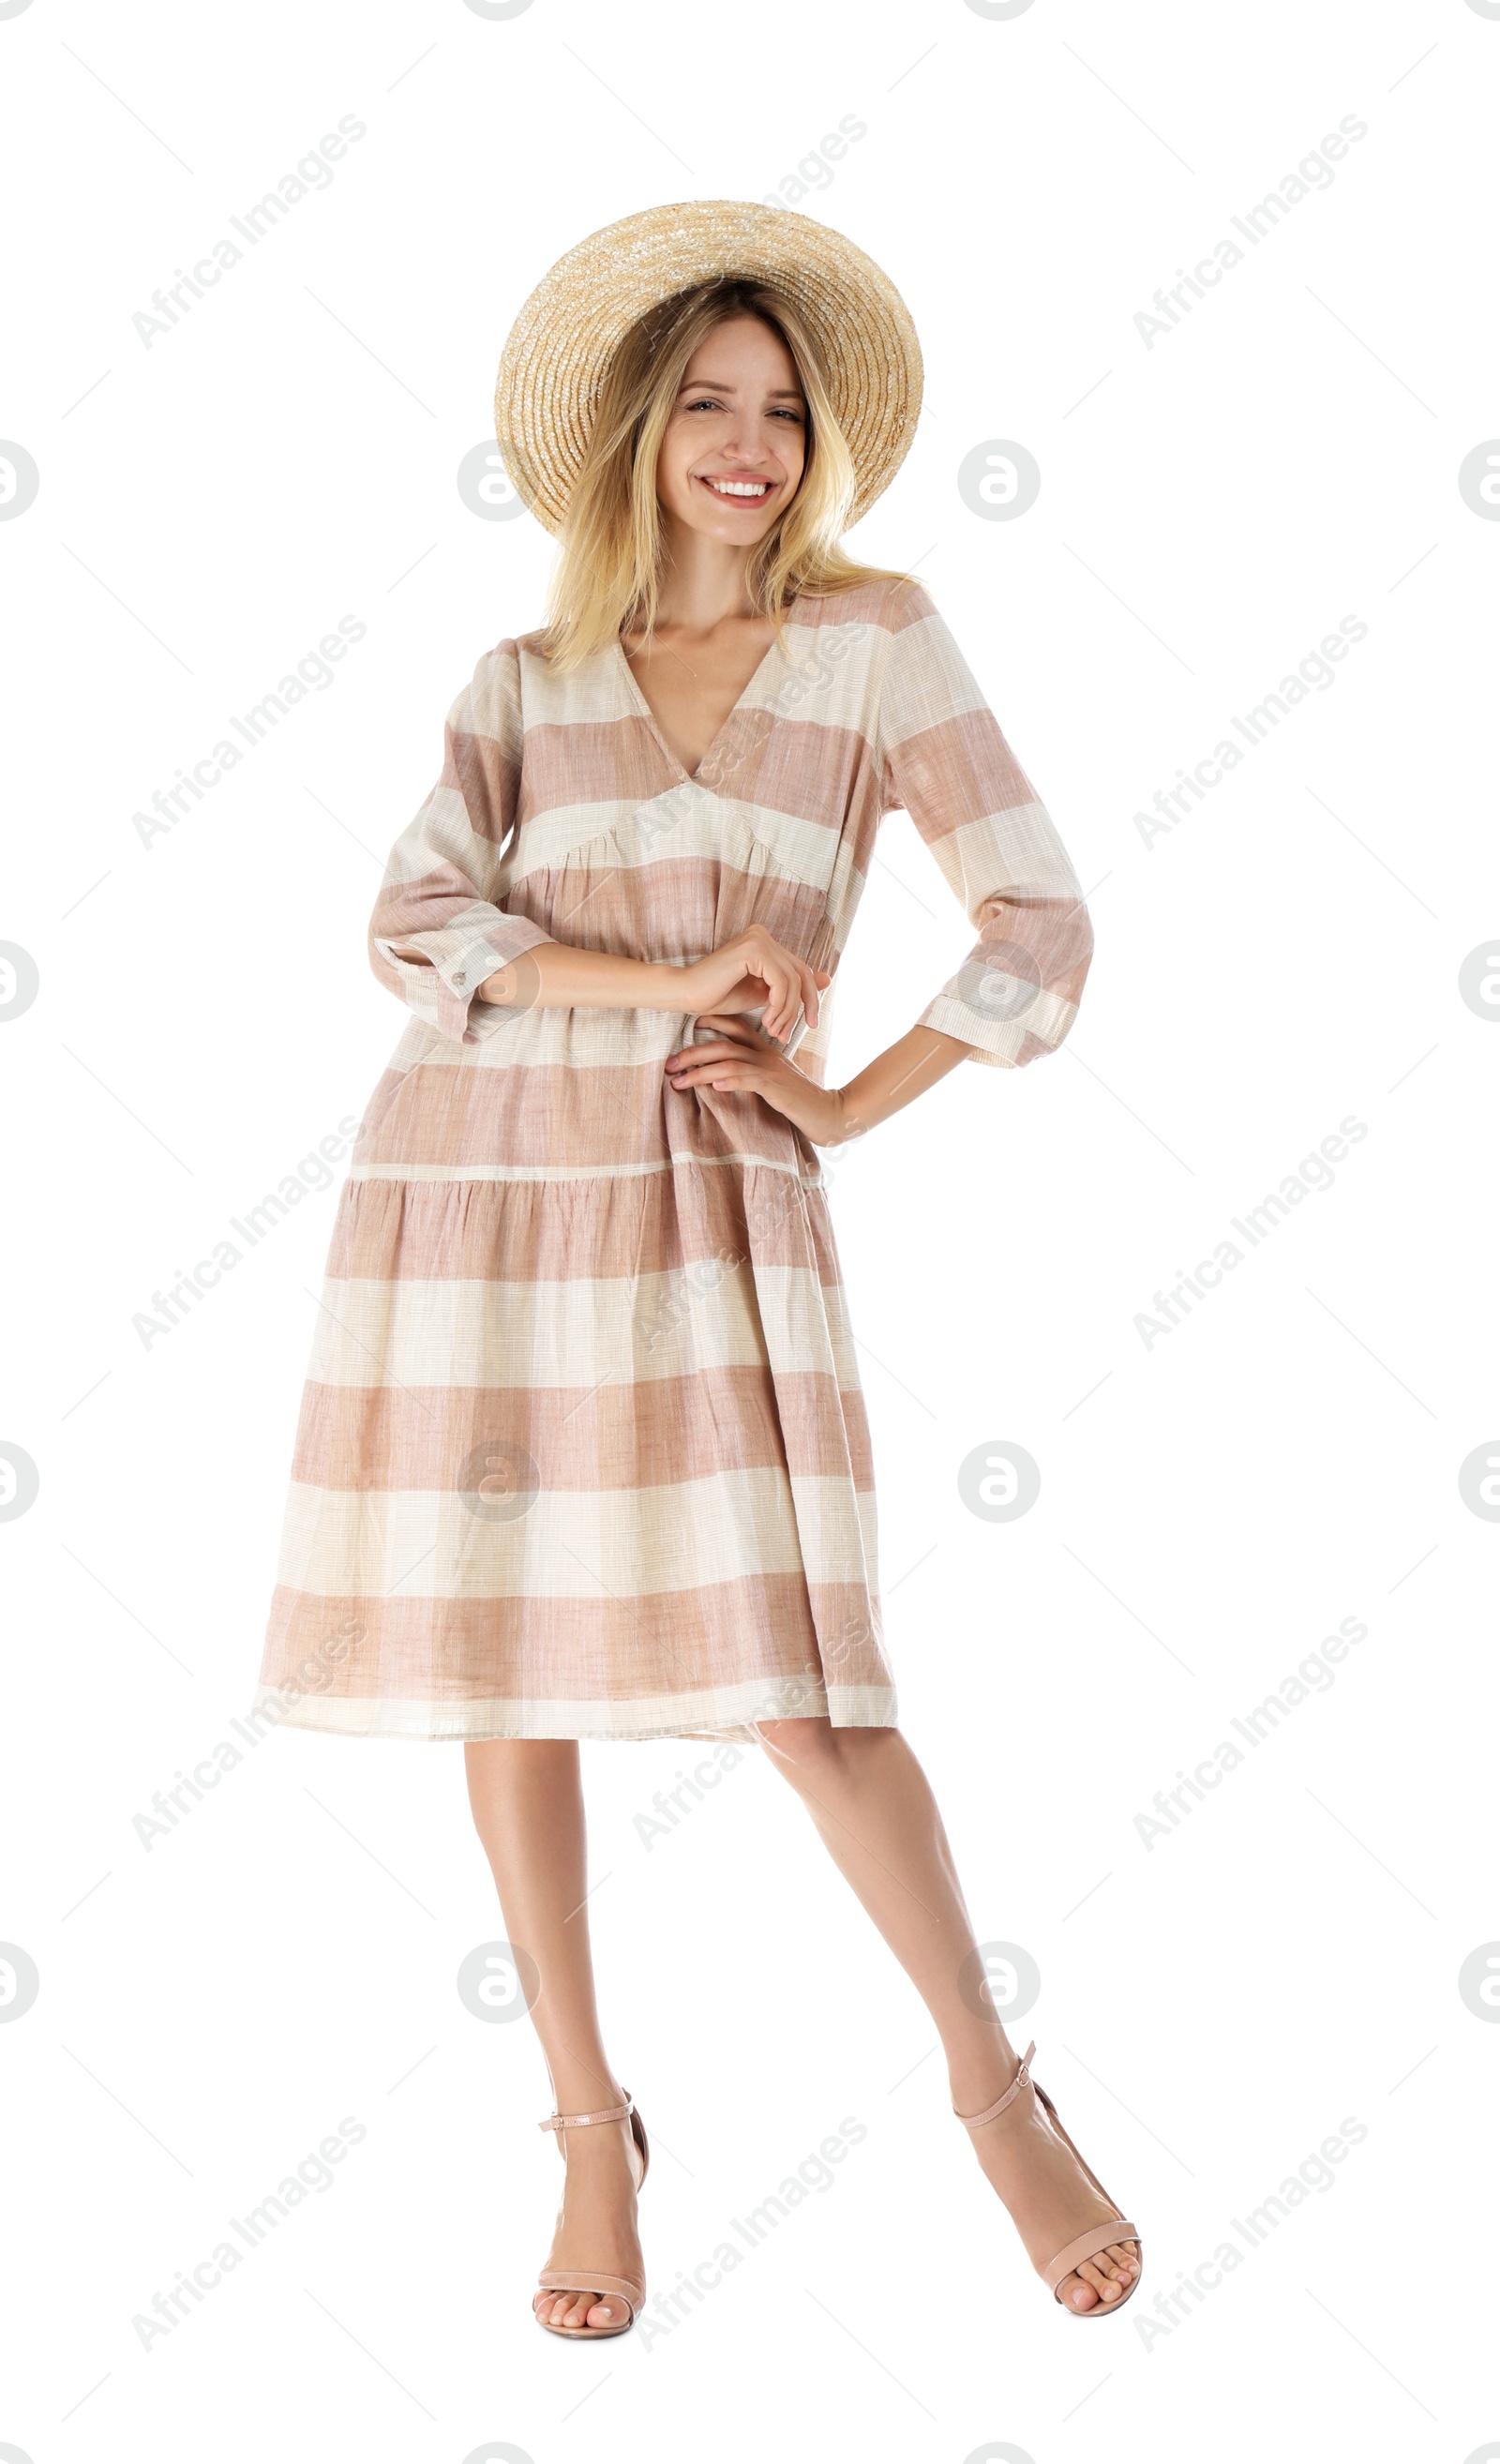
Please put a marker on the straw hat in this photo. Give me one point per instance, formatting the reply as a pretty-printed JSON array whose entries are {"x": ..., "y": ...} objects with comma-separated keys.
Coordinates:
[{"x": 561, "y": 344}]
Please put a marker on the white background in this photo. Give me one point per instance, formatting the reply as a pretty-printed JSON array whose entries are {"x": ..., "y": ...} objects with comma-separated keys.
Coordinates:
[{"x": 1212, "y": 2007}]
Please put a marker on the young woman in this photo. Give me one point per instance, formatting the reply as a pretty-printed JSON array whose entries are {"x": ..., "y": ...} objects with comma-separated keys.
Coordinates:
[{"x": 582, "y": 1451}]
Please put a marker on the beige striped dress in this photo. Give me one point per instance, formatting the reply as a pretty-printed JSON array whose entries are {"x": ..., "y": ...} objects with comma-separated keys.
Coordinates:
[{"x": 582, "y": 1450}]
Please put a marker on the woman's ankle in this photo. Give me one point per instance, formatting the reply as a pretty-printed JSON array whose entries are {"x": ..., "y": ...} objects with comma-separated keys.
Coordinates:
[
  {"x": 977, "y": 2074},
  {"x": 594, "y": 2094}
]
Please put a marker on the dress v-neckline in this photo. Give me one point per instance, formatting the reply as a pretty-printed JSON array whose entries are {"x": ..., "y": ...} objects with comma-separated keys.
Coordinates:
[{"x": 706, "y": 760}]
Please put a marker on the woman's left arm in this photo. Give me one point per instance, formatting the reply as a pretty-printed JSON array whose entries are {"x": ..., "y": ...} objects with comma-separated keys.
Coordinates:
[{"x": 944, "y": 758}]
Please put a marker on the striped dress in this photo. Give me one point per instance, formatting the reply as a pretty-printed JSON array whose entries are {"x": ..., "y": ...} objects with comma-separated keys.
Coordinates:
[{"x": 582, "y": 1450}]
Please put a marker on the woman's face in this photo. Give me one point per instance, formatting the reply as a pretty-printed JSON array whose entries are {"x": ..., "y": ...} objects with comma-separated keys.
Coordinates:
[{"x": 736, "y": 442}]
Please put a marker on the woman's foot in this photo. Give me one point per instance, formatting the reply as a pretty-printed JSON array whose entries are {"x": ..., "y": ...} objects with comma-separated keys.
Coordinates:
[
  {"x": 1051, "y": 2197},
  {"x": 597, "y": 2217}
]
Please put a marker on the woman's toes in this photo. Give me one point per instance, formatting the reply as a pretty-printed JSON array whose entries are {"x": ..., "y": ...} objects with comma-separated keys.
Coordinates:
[
  {"x": 579, "y": 2309},
  {"x": 1125, "y": 2258},
  {"x": 1106, "y": 2286},
  {"x": 1076, "y": 2294}
]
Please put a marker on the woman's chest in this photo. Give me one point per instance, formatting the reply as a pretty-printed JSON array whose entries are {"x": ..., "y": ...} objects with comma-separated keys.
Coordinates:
[
  {"x": 691, "y": 685},
  {"x": 789, "y": 781}
]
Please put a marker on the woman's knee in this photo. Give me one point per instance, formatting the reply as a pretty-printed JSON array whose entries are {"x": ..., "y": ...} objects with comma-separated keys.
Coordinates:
[
  {"x": 795, "y": 1745},
  {"x": 804, "y": 1749}
]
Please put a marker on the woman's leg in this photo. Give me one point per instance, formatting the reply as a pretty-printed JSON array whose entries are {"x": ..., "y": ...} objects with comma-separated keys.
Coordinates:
[
  {"x": 869, "y": 1797},
  {"x": 528, "y": 1808}
]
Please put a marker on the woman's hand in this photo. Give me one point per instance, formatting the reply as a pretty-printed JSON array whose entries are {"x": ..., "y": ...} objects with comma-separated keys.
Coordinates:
[
  {"x": 751, "y": 969},
  {"x": 739, "y": 1058}
]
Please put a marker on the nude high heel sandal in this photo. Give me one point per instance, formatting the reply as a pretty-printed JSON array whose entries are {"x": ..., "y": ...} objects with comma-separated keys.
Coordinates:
[
  {"x": 559, "y": 2280},
  {"x": 1087, "y": 2245}
]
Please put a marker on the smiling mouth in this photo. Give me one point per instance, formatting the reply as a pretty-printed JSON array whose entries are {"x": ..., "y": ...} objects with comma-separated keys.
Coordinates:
[{"x": 739, "y": 491}]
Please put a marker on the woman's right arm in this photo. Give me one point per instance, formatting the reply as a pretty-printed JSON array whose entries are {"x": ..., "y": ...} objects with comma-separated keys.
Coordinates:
[
  {"x": 454, "y": 957},
  {"x": 748, "y": 971}
]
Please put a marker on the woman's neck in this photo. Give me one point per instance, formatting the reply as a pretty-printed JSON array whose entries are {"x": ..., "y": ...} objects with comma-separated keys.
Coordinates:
[{"x": 703, "y": 582}]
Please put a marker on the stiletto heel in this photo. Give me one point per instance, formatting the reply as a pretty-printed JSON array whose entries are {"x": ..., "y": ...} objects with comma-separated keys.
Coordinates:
[
  {"x": 1085, "y": 2245},
  {"x": 557, "y": 2280}
]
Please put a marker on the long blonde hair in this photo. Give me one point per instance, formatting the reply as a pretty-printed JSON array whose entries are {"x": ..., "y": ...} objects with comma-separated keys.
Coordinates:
[{"x": 610, "y": 544}]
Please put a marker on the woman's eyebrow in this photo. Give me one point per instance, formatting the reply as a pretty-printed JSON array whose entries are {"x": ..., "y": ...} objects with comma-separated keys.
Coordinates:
[{"x": 713, "y": 385}]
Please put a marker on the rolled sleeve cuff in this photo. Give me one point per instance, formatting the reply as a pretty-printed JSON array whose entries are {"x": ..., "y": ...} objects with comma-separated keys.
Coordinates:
[
  {"x": 1002, "y": 1042},
  {"x": 444, "y": 993}
]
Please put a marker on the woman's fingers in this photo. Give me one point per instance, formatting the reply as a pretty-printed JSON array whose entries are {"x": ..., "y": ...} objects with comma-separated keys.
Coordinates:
[
  {"x": 713, "y": 1064},
  {"x": 774, "y": 974},
  {"x": 698, "y": 1056},
  {"x": 792, "y": 984},
  {"x": 801, "y": 993},
  {"x": 725, "y": 1023}
]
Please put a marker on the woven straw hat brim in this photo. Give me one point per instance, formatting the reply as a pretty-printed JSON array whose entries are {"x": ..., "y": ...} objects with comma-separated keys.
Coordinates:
[{"x": 561, "y": 345}]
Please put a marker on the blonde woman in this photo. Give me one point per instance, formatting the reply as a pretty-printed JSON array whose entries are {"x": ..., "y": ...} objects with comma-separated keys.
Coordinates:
[{"x": 582, "y": 1451}]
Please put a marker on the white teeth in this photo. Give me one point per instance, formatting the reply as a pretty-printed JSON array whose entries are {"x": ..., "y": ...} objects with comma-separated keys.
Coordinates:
[{"x": 738, "y": 487}]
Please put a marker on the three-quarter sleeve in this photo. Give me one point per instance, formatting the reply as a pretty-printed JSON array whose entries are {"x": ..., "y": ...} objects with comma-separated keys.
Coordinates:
[
  {"x": 435, "y": 933},
  {"x": 945, "y": 762}
]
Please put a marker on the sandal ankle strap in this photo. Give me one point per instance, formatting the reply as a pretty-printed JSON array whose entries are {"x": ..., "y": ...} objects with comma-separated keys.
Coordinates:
[
  {"x": 580, "y": 2121},
  {"x": 976, "y": 2120}
]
